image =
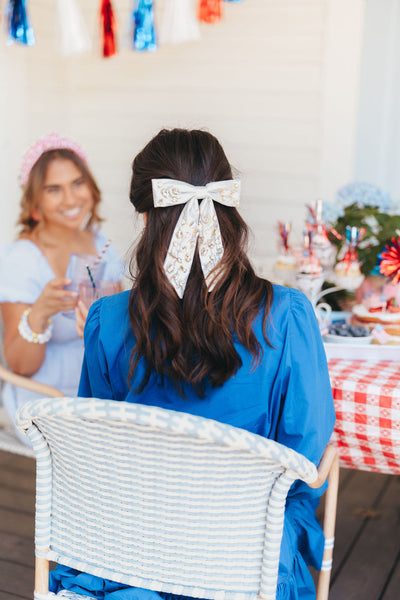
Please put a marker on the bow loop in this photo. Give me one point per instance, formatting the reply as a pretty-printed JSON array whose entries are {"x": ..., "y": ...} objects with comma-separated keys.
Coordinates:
[{"x": 196, "y": 224}]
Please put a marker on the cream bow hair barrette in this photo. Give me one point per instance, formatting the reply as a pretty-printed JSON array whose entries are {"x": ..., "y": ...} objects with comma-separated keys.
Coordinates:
[{"x": 195, "y": 222}]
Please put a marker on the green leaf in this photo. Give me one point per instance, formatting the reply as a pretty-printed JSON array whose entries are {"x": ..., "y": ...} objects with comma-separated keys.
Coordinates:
[{"x": 355, "y": 216}]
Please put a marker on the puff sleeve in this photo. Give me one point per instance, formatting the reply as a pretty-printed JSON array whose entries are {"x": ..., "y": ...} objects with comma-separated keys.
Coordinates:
[
  {"x": 22, "y": 273},
  {"x": 95, "y": 380},
  {"x": 307, "y": 415}
]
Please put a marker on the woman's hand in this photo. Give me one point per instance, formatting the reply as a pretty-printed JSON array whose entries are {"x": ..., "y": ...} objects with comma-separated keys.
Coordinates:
[
  {"x": 23, "y": 357},
  {"x": 53, "y": 299},
  {"x": 81, "y": 313}
]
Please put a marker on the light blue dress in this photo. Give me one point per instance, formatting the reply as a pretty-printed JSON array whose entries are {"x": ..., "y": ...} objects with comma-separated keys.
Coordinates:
[
  {"x": 287, "y": 397},
  {"x": 24, "y": 271}
]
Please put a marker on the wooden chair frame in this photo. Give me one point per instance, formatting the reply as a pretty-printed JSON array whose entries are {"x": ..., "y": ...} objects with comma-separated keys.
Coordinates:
[
  {"x": 9, "y": 441},
  {"x": 328, "y": 468},
  {"x": 28, "y": 383}
]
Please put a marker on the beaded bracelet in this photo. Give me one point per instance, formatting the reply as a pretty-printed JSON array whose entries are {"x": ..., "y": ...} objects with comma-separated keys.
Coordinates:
[{"x": 26, "y": 332}]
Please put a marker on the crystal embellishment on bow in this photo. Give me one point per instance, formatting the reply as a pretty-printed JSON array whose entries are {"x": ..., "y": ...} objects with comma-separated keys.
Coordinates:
[{"x": 197, "y": 223}]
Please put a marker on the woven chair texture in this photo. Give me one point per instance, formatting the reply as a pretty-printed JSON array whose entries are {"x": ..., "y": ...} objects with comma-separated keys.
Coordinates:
[{"x": 159, "y": 499}]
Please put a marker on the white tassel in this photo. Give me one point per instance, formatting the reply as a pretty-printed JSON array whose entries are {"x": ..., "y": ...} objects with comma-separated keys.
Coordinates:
[
  {"x": 74, "y": 37},
  {"x": 179, "y": 23}
]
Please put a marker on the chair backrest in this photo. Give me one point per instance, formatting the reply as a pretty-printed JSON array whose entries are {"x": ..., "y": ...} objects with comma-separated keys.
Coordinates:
[{"x": 159, "y": 499}]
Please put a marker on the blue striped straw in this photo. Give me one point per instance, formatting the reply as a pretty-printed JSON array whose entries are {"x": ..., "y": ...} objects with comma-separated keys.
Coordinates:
[{"x": 91, "y": 278}]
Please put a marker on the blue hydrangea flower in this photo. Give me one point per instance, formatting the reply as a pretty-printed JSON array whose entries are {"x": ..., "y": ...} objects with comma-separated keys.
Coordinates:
[
  {"x": 331, "y": 211},
  {"x": 364, "y": 194}
]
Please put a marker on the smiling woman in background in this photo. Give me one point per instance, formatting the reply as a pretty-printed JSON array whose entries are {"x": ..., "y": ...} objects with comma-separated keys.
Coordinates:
[{"x": 59, "y": 216}]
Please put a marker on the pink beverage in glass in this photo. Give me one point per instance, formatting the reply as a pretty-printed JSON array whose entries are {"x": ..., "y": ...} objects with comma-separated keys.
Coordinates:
[
  {"x": 78, "y": 272},
  {"x": 88, "y": 294}
]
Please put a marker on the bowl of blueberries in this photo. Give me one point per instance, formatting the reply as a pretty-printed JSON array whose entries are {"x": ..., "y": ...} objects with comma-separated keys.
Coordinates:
[{"x": 344, "y": 333}]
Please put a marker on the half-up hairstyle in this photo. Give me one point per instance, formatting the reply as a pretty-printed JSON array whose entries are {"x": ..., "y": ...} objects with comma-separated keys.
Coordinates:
[{"x": 190, "y": 340}]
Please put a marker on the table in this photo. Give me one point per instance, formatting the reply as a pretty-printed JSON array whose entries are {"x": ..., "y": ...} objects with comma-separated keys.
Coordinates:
[{"x": 367, "y": 402}]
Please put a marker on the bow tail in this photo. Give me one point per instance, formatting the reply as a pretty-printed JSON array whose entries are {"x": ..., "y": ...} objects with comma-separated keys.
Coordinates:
[
  {"x": 211, "y": 248},
  {"x": 179, "y": 259}
]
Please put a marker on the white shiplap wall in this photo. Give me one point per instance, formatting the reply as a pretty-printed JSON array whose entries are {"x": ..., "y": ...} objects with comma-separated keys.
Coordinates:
[{"x": 261, "y": 81}]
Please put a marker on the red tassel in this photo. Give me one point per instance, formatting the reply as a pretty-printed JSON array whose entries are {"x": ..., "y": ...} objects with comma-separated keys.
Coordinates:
[
  {"x": 210, "y": 11},
  {"x": 108, "y": 27}
]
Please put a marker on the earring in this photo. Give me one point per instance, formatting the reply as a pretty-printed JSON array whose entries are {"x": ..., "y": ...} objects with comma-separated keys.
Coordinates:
[{"x": 35, "y": 215}]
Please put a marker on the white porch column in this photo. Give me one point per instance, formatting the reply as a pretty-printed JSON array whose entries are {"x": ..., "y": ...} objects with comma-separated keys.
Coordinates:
[{"x": 340, "y": 94}]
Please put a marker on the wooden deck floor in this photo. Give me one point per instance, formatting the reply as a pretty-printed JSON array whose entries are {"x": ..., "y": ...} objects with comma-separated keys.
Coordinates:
[{"x": 367, "y": 548}]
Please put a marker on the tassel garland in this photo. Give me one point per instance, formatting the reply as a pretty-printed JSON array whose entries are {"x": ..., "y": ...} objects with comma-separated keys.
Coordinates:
[
  {"x": 210, "y": 11},
  {"x": 74, "y": 37},
  {"x": 144, "y": 37},
  {"x": 107, "y": 28},
  {"x": 18, "y": 23},
  {"x": 179, "y": 22}
]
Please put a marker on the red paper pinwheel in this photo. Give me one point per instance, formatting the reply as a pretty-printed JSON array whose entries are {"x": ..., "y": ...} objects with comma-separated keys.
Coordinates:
[{"x": 390, "y": 261}]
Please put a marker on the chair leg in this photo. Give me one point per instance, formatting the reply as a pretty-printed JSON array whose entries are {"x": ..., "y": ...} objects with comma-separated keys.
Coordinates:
[
  {"x": 41, "y": 575},
  {"x": 329, "y": 530}
]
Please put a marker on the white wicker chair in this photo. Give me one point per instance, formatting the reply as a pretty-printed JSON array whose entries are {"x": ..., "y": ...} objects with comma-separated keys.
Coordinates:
[{"x": 161, "y": 499}]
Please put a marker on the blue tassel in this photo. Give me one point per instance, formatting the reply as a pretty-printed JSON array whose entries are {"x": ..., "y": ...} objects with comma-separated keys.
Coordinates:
[
  {"x": 19, "y": 26},
  {"x": 144, "y": 37}
]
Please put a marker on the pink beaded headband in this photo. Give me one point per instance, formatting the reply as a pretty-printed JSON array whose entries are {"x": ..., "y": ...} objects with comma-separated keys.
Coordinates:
[{"x": 51, "y": 141}]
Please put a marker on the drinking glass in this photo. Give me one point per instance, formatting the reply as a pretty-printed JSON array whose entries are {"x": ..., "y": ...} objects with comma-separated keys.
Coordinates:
[
  {"x": 79, "y": 266},
  {"x": 88, "y": 294},
  {"x": 78, "y": 271}
]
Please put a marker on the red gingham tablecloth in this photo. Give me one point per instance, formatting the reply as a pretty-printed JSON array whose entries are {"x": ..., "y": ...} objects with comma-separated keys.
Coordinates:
[{"x": 367, "y": 403}]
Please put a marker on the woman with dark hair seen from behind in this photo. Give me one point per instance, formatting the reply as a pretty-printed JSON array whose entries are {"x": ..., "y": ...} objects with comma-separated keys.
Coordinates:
[
  {"x": 59, "y": 215},
  {"x": 201, "y": 333}
]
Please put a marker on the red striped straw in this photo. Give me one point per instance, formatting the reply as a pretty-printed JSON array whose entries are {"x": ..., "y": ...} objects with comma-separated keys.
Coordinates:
[{"x": 100, "y": 256}]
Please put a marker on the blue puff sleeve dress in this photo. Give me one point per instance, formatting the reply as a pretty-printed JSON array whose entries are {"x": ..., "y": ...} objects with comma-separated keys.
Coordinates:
[
  {"x": 24, "y": 271},
  {"x": 287, "y": 397}
]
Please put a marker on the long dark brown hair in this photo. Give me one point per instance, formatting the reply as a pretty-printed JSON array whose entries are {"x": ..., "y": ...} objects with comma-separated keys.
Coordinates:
[
  {"x": 34, "y": 186},
  {"x": 190, "y": 340}
]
